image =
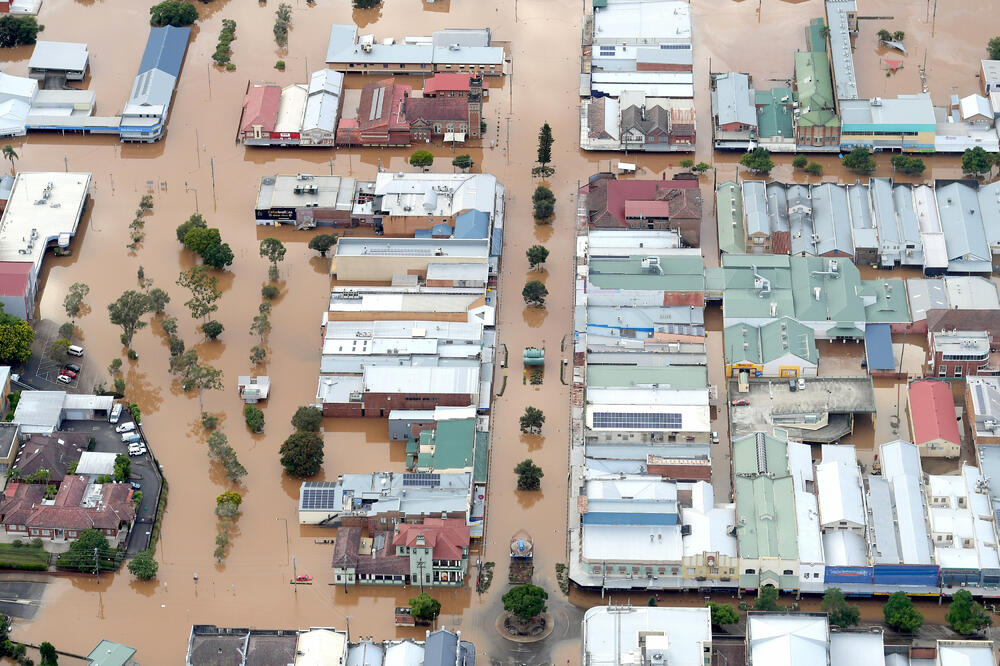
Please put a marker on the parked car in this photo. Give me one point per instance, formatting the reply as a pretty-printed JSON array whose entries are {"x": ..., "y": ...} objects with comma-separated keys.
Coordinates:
[
  {"x": 137, "y": 452},
  {"x": 792, "y": 386},
  {"x": 126, "y": 427},
  {"x": 136, "y": 485},
  {"x": 130, "y": 437},
  {"x": 64, "y": 379},
  {"x": 715, "y": 437},
  {"x": 72, "y": 366},
  {"x": 68, "y": 373},
  {"x": 740, "y": 402},
  {"x": 116, "y": 413},
  {"x": 802, "y": 384}
]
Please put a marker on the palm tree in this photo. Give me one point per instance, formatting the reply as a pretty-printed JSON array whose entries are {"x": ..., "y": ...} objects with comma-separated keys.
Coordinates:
[{"x": 9, "y": 154}]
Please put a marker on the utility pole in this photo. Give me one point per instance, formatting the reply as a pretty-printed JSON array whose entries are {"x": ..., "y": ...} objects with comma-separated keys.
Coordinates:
[
  {"x": 66, "y": 162},
  {"x": 331, "y": 166},
  {"x": 295, "y": 578},
  {"x": 97, "y": 566},
  {"x": 348, "y": 628},
  {"x": 420, "y": 568}
]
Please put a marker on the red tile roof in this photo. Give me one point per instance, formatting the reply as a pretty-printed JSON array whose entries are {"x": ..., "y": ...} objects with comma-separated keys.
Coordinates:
[
  {"x": 445, "y": 82},
  {"x": 932, "y": 412},
  {"x": 647, "y": 209},
  {"x": 437, "y": 109},
  {"x": 446, "y": 536},
  {"x": 14, "y": 277},
  {"x": 617, "y": 192},
  {"x": 260, "y": 107},
  {"x": 22, "y": 505}
]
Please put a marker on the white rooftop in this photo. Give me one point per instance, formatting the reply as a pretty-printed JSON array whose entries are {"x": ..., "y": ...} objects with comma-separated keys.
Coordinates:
[
  {"x": 857, "y": 648},
  {"x": 710, "y": 525},
  {"x": 420, "y": 380},
  {"x": 692, "y": 418},
  {"x": 838, "y": 487},
  {"x": 435, "y": 194},
  {"x": 96, "y": 463},
  {"x": 810, "y": 542},
  {"x": 964, "y": 517},
  {"x": 413, "y": 247},
  {"x": 632, "y": 543},
  {"x": 320, "y": 647},
  {"x": 648, "y": 22},
  {"x": 44, "y": 207},
  {"x": 611, "y": 635},
  {"x": 965, "y": 653},
  {"x": 787, "y": 640},
  {"x": 69, "y": 56}
]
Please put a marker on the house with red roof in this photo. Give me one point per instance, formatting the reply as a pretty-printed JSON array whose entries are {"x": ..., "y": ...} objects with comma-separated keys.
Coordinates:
[
  {"x": 380, "y": 117},
  {"x": 645, "y": 204},
  {"x": 260, "y": 111},
  {"x": 302, "y": 114},
  {"x": 77, "y": 506},
  {"x": 434, "y": 553},
  {"x": 933, "y": 422},
  {"x": 451, "y": 84}
]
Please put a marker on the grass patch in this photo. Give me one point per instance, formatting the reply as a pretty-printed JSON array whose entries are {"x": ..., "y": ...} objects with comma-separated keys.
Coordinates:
[{"x": 28, "y": 558}]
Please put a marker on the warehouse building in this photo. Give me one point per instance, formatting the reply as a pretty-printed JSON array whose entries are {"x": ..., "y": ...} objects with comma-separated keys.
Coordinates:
[{"x": 144, "y": 118}]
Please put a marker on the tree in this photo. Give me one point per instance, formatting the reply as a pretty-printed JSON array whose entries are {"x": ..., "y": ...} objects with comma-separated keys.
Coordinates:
[
  {"x": 421, "y": 158},
  {"x": 884, "y": 35},
  {"x": 525, "y": 601},
  {"x": 912, "y": 166},
  {"x": 172, "y": 12},
  {"x": 977, "y": 161},
  {"x": 544, "y": 202},
  {"x": 260, "y": 326},
  {"x": 127, "y": 312},
  {"x": 254, "y": 418},
  {"x": 302, "y": 454},
  {"x": 274, "y": 250},
  {"x": 424, "y": 608},
  {"x": 229, "y": 497},
  {"x": 73, "y": 302},
  {"x": 204, "y": 378},
  {"x": 158, "y": 300},
  {"x": 18, "y": 30},
  {"x": 965, "y": 615},
  {"x": 767, "y": 599},
  {"x": 532, "y": 420},
  {"x": 257, "y": 354},
  {"x": 723, "y": 614},
  {"x": 814, "y": 169},
  {"x": 993, "y": 47},
  {"x": 900, "y": 614},
  {"x": 702, "y": 167},
  {"x": 123, "y": 468},
  {"x": 9, "y": 154},
  {"x": 322, "y": 243},
  {"x": 859, "y": 160},
  {"x": 218, "y": 256},
  {"x": 212, "y": 329},
  {"x": 800, "y": 161},
  {"x": 58, "y": 349},
  {"x": 307, "y": 419},
  {"x": 687, "y": 163},
  {"x": 841, "y": 613},
  {"x": 462, "y": 162},
  {"x": 81, "y": 555},
  {"x": 204, "y": 291},
  {"x": 758, "y": 160},
  {"x": 545, "y": 141},
  {"x": 898, "y": 36},
  {"x": 197, "y": 239},
  {"x": 47, "y": 653},
  {"x": 534, "y": 293},
  {"x": 529, "y": 475},
  {"x": 537, "y": 254},
  {"x": 143, "y": 566},
  {"x": 16, "y": 336},
  {"x": 194, "y": 222},
  {"x": 269, "y": 291},
  {"x": 67, "y": 330}
]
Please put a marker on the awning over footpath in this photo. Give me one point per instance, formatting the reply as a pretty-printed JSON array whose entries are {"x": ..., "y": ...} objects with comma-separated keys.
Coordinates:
[{"x": 878, "y": 347}]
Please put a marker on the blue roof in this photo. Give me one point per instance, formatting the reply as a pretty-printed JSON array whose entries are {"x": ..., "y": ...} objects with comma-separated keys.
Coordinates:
[
  {"x": 472, "y": 224},
  {"x": 878, "y": 347},
  {"x": 165, "y": 50},
  {"x": 496, "y": 245},
  {"x": 422, "y": 233},
  {"x": 441, "y": 230}
]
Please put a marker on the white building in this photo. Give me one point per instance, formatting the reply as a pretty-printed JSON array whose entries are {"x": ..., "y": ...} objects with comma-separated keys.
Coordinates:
[
  {"x": 775, "y": 639},
  {"x": 626, "y": 636}
]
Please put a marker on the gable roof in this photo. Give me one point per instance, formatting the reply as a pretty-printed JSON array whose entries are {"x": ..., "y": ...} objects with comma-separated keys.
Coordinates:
[
  {"x": 260, "y": 107},
  {"x": 733, "y": 96},
  {"x": 78, "y": 505},
  {"x": 449, "y": 81},
  {"x": 446, "y": 536},
  {"x": 435, "y": 109},
  {"x": 53, "y": 452},
  {"x": 165, "y": 50},
  {"x": 932, "y": 412}
]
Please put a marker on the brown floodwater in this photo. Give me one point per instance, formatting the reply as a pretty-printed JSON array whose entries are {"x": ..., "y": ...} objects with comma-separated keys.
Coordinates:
[{"x": 200, "y": 167}]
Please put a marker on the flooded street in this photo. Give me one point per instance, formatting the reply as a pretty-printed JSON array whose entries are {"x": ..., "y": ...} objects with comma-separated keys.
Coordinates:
[{"x": 199, "y": 167}]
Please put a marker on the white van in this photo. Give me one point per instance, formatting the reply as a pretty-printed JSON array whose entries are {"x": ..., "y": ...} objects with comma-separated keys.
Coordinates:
[
  {"x": 74, "y": 350},
  {"x": 116, "y": 413},
  {"x": 130, "y": 437}
]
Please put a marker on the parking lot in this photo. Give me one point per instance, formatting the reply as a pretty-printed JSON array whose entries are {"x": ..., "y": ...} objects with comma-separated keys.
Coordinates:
[
  {"x": 41, "y": 370},
  {"x": 109, "y": 441}
]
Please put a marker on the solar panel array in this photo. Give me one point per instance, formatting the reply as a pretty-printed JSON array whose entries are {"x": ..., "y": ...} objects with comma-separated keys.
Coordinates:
[
  {"x": 638, "y": 420},
  {"x": 422, "y": 479},
  {"x": 319, "y": 496}
]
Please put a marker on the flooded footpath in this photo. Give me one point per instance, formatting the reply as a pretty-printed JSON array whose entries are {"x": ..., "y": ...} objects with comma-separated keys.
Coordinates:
[{"x": 199, "y": 167}]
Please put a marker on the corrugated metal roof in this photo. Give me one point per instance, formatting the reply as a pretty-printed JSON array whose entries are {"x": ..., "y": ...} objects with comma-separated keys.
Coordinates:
[
  {"x": 733, "y": 96},
  {"x": 165, "y": 50},
  {"x": 755, "y": 208}
]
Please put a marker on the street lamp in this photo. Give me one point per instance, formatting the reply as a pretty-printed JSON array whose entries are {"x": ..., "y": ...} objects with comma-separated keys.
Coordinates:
[{"x": 287, "y": 549}]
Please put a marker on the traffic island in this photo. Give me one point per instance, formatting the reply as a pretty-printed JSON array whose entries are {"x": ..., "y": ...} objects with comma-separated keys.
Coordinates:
[{"x": 537, "y": 629}]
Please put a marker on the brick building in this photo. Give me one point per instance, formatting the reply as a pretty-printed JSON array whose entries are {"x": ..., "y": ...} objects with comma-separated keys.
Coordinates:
[
  {"x": 961, "y": 354},
  {"x": 384, "y": 388},
  {"x": 645, "y": 204}
]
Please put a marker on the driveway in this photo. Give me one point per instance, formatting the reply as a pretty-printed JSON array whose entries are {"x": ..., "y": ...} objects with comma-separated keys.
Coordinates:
[{"x": 143, "y": 472}]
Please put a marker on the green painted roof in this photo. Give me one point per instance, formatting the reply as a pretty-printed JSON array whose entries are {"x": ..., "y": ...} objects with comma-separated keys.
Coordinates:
[
  {"x": 679, "y": 377},
  {"x": 729, "y": 214},
  {"x": 109, "y": 653},
  {"x": 774, "y": 117},
  {"x": 480, "y": 457},
  {"x": 814, "y": 87},
  {"x": 734, "y": 338},
  {"x": 454, "y": 445},
  {"x": 814, "y": 35},
  {"x": 890, "y": 301},
  {"x": 793, "y": 281},
  {"x": 680, "y": 273},
  {"x": 765, "y": 498},
  {"x": 788, "y": 336}
]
